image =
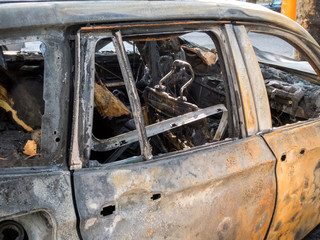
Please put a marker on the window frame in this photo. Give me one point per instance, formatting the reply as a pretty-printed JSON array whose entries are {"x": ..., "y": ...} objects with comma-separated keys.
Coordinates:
[
  {"x": 56, "y": 90},
  {"x": 309, "y": 50},
  {"x": 86, "y": 41}
]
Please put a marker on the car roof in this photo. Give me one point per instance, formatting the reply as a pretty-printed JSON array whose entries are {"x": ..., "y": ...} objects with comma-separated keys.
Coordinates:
[{"x": 37, "y": 13}]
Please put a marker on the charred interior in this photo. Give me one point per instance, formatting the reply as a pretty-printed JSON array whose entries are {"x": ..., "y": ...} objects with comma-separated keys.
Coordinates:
[
  {"x": 291, "y": 97},
  {"x": 182, "y": 89},
  {"x": 21, "y": 104},
  {"x": 290, "y": 81},
  {"x": 173, "y": 76}
]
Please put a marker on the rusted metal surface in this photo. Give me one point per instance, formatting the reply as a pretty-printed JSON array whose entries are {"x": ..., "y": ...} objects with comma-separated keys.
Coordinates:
[
  {"x": 83, "y": 99},
  {"x": 237, "y": 120},
  {"x": 297, "y": 149},
  {"x": 174, "y": 197},
  {"x": 86, "y": 29},
  {"x": 256, "y": 79},
  {"x": 40, "y": 201},
  {"x": 222, "y": 126},
  {"x": 250, "y": 115},
  {"x": 75, "y": 159},
  {"x": 132, "y": 181},
  {"x": 133, "y": 95}
]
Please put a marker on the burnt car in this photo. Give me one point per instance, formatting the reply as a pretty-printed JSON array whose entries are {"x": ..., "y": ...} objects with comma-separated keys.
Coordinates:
[{"x": 156, "y": 120}]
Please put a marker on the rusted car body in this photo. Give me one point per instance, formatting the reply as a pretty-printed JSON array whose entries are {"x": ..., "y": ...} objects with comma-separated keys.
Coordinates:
[{"x": 168, "y": 140}]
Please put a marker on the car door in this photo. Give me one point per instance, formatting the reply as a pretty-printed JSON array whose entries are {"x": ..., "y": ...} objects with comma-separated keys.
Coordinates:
[
  {"x": 296, "y": 145},
  {"x": 224, "y": 189}
]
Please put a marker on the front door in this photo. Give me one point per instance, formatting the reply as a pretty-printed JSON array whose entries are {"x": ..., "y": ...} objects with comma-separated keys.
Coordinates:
[{"x": 174, "y": 163}]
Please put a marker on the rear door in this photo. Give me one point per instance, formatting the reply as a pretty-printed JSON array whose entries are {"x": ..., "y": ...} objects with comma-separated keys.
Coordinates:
[{"x": 220, "y": 189}]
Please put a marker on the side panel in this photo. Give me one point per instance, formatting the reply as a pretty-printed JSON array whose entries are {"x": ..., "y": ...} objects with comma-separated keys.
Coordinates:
[
  {"x": 214, "y": 192},
  {"x": 297, "y": 149},
  {"x": 41, "y": 202}
]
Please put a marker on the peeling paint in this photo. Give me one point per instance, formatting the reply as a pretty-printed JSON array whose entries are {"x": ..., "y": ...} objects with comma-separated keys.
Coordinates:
[{"x": 298, "y": 180}]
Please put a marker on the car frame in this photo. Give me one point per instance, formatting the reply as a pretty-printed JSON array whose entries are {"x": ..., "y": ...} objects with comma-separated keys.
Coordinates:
[{"x": 260, "y": 182}]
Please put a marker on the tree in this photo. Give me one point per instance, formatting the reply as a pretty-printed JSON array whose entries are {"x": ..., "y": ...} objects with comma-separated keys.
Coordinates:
[{"x": 308, "y": 15}]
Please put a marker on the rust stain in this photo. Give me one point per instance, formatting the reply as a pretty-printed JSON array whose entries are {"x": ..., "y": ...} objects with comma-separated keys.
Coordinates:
[
  {"x": 261, "y": 224},
  {"x": 148, "y": 39},
  {"x": 253, "y": 153},
  {"x": 298, "y": 176},
  {"x": 119, "y": 178},
  {"x": 232, "y": 163},
  {"x": 177, "y": 214},
  {"x": 244, "y": 232},
  {"x": 85, "y": 29},
  {"x": 254, "y": 193},
  {"x": 249, "y": 114},
  {"x": 149, "y": 233},
  {"x": 91, "y": 28},
  {"x": 256, "y": 221}
]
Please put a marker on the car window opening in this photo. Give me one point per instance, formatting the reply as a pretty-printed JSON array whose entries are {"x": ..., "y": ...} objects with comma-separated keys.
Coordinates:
[
  {"x": 289, "y": 80},
  {"x": 21, "y": 101},
  {"x": 180, "y": 83}
]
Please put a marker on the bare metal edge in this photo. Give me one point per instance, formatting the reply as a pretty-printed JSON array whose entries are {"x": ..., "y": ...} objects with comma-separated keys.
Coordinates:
[{"x": 154, "y": 129}]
